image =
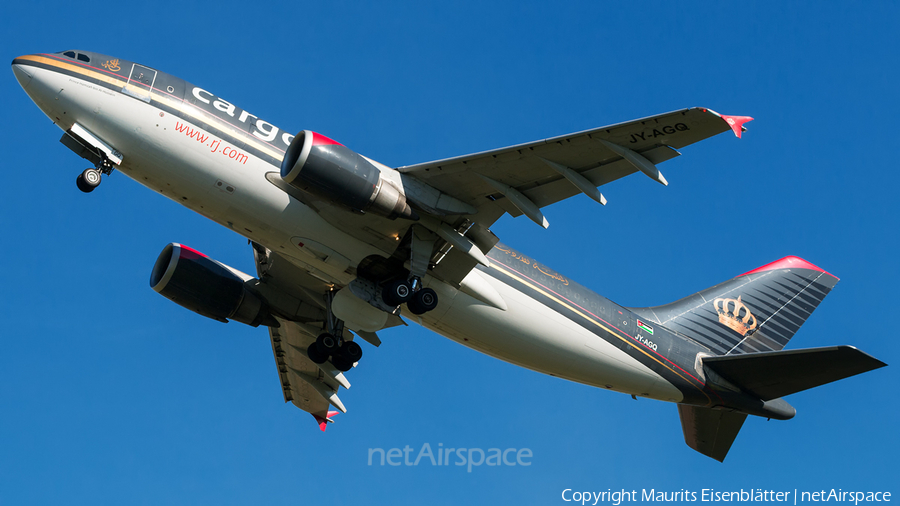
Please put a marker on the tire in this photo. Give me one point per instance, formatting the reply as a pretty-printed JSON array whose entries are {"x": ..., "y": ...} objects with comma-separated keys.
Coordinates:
[
  {"x": 423, "y": 301},
  {"x": 327, "y": 343},
  {"x": 396, "y": 292},
  {"x": 82, "y": 185},
  {"x": 341, "y": 364},
  {"x": 91, "y": 177},
  {"x": 316, "y": 355},
  {"x": 351, "y": 351}
]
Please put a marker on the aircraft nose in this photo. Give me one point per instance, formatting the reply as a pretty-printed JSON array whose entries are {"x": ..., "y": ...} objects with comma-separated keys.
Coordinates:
[{"x": 22, "y": 75}]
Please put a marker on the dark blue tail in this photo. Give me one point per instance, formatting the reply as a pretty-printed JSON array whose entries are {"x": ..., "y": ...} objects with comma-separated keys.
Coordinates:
[{"x": 757, "y": 311}]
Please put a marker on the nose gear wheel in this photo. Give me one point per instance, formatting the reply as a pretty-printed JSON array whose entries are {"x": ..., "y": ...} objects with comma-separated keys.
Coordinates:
[{"x": 90, "y": 179}]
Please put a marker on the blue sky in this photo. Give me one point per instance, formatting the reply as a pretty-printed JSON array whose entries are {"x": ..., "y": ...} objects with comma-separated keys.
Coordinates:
[{"x": 112, "y": 394}]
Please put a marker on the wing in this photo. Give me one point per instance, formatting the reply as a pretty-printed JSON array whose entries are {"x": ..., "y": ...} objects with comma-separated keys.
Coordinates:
[
  {"x": 459, "y": 198},
  {"x": 524, "y": 178},
  {"x": 309, "y": 386}
]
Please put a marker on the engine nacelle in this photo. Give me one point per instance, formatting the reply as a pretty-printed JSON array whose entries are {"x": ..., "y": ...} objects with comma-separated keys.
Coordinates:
[
  {"x": 207, "y": 287},
  {"x": 316, "y": 164}
]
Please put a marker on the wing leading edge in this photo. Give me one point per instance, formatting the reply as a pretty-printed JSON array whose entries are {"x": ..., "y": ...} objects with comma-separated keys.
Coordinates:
[{"x": 546, "y": 171}]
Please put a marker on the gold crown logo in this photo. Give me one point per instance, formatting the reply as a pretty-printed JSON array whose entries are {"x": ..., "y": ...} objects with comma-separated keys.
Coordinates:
[
  {"x": 735, "y": 315},
  {"x": 112, "y": 65}
]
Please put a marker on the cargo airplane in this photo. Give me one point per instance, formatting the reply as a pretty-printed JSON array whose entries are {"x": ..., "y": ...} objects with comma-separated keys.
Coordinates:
[{"x": 346, "y": 247}]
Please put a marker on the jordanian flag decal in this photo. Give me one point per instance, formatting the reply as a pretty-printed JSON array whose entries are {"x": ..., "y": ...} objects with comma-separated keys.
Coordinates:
[{"x": 642, "y": 325}]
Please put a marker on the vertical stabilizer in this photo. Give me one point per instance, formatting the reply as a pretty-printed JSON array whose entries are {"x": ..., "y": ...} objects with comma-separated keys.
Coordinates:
[
  {"x": 709, "y": 431},
  {"x": 754, "y": 312}
]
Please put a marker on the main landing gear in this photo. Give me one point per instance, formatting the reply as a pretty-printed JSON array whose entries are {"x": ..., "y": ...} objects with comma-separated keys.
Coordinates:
[
  {"x": 343, "y": 354},
  {"x": 402, "y": 291},
  {"x": 418, "y": 300},
  {"x": 88, "y": 180},
  {"x": 331, "y": 344}
]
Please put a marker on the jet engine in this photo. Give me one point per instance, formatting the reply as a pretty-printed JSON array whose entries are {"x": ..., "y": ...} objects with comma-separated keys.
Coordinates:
[
  {"x": 207, "y": 287},
  {"x": 318, "y": 165}
]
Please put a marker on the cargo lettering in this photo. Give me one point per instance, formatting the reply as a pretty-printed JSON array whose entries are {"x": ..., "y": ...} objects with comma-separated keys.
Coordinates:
[{"x": 260, "y": 129}]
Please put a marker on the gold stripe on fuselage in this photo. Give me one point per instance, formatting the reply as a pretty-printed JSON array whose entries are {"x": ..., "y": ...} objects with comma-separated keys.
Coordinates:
[
  {"x": 186, "y": 109},
  {"x": 509, "y": 272},
  {"x": 118, "y": 82}
]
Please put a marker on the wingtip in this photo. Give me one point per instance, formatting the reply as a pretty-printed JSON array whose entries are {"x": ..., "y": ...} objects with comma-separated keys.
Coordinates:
[
  {"x": 736, "y": 123},
  {"x": 323, "y": 422}
]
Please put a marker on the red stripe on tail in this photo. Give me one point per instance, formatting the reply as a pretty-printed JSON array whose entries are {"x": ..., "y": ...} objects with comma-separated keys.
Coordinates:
[{"x": 790, "y": 262}]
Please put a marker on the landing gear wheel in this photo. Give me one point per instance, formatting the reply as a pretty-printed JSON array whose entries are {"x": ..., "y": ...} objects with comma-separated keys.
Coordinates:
[
  {"x": 396, "y": 292},
  {"x": 316, "y": 355},
  {"x": 351, "y": 351},
  {"x": 327, "y": 343},
  {"x": 341, "y": 364},
  {"x": 88, "y": 180},
  {"x": 91, "y": 177},
  {"x": 82, "y": 184},
  {"x": 423, "y": 301},
  {"x": 79, "y": 182},
  {"x": 346, "y": 355}
]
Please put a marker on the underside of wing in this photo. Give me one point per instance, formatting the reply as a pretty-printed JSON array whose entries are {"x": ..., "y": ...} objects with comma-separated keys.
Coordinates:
[
  {"x": 522, "y": 179},
  {"x": 299, "y": 297},
  {"x": 309, "y": 386}
]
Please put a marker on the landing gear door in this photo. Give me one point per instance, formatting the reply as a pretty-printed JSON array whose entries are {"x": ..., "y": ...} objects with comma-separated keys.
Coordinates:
[{"x": 140, "y": 82}]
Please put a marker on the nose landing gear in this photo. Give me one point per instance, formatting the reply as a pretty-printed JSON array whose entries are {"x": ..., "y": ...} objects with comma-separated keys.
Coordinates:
[{"x": 89, "y": 180}]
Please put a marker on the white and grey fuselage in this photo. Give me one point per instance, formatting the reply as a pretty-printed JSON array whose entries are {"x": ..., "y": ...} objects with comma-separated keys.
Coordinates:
[{"x": 223, "y": 162}]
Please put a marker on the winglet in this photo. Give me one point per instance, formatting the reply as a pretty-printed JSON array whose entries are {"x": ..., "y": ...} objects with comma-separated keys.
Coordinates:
[
  {"x": 323, "y": 422},
  {"x": 736, "y": 123}
]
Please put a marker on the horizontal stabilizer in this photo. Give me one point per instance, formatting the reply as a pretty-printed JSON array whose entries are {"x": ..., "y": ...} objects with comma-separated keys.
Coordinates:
[
  {"x": 710, "y": 431},
  {"x": 774, "y": 374}
]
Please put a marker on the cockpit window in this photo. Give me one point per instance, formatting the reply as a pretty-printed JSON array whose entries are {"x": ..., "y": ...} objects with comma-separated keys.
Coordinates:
[{"x": 78, "y": 56}]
